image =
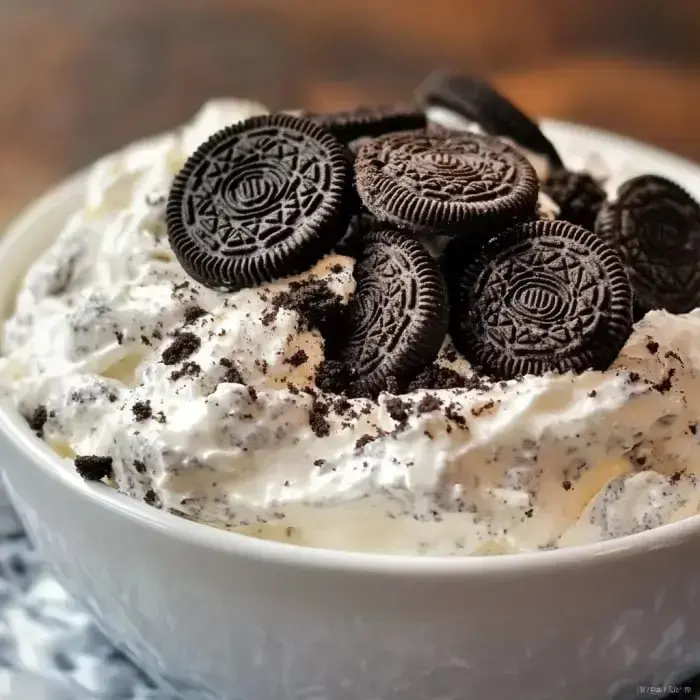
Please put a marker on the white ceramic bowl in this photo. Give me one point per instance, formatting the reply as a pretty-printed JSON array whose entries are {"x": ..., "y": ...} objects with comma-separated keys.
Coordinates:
[{"x": 235, "y": 617}]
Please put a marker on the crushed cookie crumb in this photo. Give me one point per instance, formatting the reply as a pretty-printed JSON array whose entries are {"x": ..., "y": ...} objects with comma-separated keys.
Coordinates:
[
  {"x": 482, "y": 409},
  {"x": 313, "y": 300},
  {"x": 670, "y": 355},
  {"x": 364, "y": 440},
  {"x": 184, "y": 345},
  {"x": 192, "y": 313},
  {"x": 318, "y": 420},
  {"x": 452, "y": 414},
  {"x": 269, "y": 316},
  {"x": 37, "y": 420},
  {"x": 142, "y": 410},
  {"x": 297, "y": 359},
  {"x": 93, "y": 467},
  {"x": 335, "y": 377},
  {"x": 397, "y": 409},
  {"x": 593, "y": 393},
  {"x": 665, "y": 384},
  {"x": 693, "y": 427},
  {"x": 188, "y": 369},
  {"x": 139, "y": 466},
  {"x": 341, "y": 405},
  {"x": 319, "y": 462},
  {"x": 652, "y": 347},
  {"x": 120, "y": 337},
  {"x": 145, "y": 340},
  {"x": 262, "y": 365},
  {"x": 566, "y": 485},
  {"x": 150, "y": 497},
  {"x": 428, "y": 403},
  {"x": 232, "y": 376},
  {"x": 676, "y": 477}
]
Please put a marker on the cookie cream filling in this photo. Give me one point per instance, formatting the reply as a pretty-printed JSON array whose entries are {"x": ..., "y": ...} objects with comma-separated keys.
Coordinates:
[{"x": 207, "y": 405}]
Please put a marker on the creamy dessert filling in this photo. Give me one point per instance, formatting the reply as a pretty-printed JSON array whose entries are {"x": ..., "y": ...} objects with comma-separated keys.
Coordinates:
[{"x": 226, "y": 405}]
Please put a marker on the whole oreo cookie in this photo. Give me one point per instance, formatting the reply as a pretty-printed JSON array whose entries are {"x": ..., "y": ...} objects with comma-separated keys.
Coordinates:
[
  {"x": 259, "y": 200},
  {"x": 398, "y": 316},
  {"x": 480, "y": 102},
  {"x": 655, "y": 225},
  {"x": 542, "y": 296},
  {"x": 578, "y": 196},
  {"x": 445, "y": 182},
  {"x": 368, "y": 122}
]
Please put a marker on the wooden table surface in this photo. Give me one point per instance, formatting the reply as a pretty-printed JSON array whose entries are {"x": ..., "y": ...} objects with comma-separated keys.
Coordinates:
[{"x": 81, "y": 77}]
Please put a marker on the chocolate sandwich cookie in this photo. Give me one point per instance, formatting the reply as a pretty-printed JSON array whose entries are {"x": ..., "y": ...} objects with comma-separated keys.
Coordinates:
[
  {"x": 444, "y": 182},
  {"x": 479, "y": 102},
  {"x": 655, "y": 225},
  {"x": 259, "y": 200},
  {"x": 542, "y": 296},
  {"x": 578, "y": 196},
  {"x": 369, "y": 122},
  {"x": 397, "y": 318}
]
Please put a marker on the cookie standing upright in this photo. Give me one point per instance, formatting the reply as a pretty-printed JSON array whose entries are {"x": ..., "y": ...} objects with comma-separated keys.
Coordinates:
[
  {"x": 397, "y": 319},
  {"x": 370, "y": 122},
  {"x": 259, "y": 200},
  {"x": 655, "y": 225},
  {"x": 477, "y": 101}
]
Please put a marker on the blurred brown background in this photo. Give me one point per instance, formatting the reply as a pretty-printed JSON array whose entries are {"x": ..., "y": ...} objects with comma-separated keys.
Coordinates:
[{"x": 80, "y": 77}]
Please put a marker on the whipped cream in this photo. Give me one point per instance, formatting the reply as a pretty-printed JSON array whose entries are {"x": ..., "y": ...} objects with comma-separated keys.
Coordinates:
[{"x": 206, "y": 401}]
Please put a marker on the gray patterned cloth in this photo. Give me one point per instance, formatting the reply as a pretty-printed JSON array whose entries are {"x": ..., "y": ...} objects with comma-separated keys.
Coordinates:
[{"x": 50, "y": 649}]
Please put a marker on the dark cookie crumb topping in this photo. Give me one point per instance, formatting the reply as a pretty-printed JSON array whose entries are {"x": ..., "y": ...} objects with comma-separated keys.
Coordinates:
[
  {"x": 665, "y": 384},
  {"x": 192, "y": 313},
  {"x": 398, "y": 409},
  {"x": 188, "y": 369},
  {"x": 428, "y": 403},
  {"x": 142, "y": 410},
  {"x": 37, "y": 420},
  {"x": 184, "y": 345},
  {"x": 297, "y": 359},
  {"x": 364, "y": 440},
  {"x": 318, "y": 419},
  {"x": 93, "y": 467},
  {"x": 313, "y": 300}
]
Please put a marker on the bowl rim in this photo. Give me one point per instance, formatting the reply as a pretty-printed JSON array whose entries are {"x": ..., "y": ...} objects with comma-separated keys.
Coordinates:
[{"x": 15, "y": 429}]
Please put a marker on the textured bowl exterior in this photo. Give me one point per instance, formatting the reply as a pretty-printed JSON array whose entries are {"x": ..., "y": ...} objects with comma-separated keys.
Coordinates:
[{"x": 229, "y": 617}]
